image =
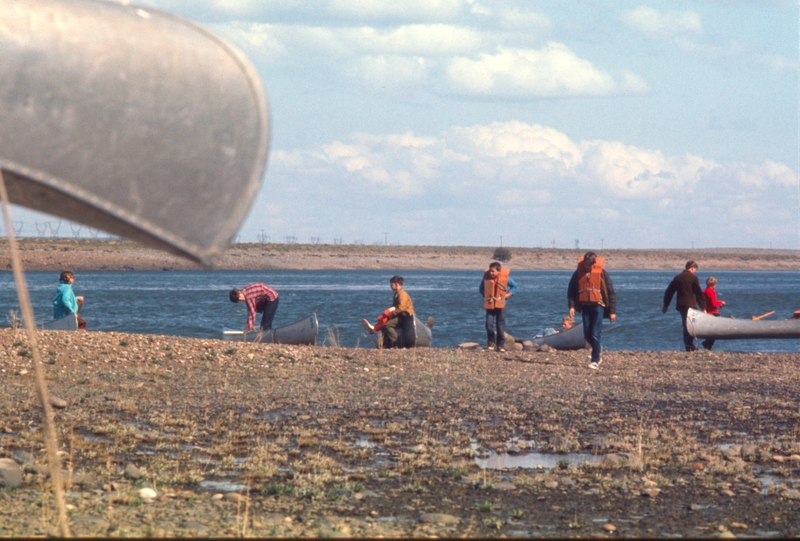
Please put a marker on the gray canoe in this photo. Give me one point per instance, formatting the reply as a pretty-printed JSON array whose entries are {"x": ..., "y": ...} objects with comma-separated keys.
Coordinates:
[
  {"x": 412, "y": 334},
  {"x": 130, "y": 120},
  {"x": 66, "y": 323},
  {"x": 571, "y": 339},
  {"x": 299, "y": 333},
  {"x": 702, "y": 325}
]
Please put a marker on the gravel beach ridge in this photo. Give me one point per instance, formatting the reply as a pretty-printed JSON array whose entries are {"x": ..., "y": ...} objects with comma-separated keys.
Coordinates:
[
  {"x": 83, "y": 254},
  {"x": 171, "y": 436}
]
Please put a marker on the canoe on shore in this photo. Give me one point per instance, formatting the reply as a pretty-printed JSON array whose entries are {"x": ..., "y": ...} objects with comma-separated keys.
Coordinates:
[
  {"x": 66, "y": 323},
  {"x": 565, "y": 340},
  {"x": 300, "y": 333},
  {"x": 702, "y": 325},
  {"x": 412, "y": 334}
]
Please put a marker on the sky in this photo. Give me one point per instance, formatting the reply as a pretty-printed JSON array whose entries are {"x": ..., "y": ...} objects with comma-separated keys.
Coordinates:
[{"x": 661, "y": 124}]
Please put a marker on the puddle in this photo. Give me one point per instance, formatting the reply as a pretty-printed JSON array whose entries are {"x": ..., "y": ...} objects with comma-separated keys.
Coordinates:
[
  {"x": 222, "y": 486},
  {"x": 364, "y": 443},
  {"x": 497, "y": 461}
]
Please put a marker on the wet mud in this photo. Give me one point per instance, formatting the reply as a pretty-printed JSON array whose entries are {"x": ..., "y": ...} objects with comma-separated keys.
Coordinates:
[{"x": 172, "y": 436}]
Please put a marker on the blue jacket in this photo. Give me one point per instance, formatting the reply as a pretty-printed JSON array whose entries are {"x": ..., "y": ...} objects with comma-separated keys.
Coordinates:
[
  {"x": 64, "y": 301},
  {"x": 512, "y": 286}
]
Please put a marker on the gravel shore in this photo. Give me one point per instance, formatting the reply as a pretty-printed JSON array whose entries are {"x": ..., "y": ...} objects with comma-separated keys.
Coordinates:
[
  {"x": 78, "y": 255},
  {"x": 189, "y": 437}
]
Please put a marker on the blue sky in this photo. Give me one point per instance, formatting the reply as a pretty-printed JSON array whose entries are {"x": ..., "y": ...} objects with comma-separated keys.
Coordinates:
[{"x": 455, "y": 122}]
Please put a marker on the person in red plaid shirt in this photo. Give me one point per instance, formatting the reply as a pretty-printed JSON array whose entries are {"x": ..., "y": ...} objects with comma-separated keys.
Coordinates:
[{"x": 259, "y": 298}]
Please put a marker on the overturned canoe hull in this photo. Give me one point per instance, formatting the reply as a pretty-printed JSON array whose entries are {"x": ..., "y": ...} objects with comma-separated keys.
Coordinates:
[
  {"x": 66, "y": 323},
  {"x": 565, "y": 340},
  {"x": 702, "y": 325},
  {"x": 412, "y": 334},
  {"x": 300, "y": 333}
]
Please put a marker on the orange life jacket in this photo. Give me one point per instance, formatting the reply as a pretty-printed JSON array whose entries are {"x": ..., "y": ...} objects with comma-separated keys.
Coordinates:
[
  {"x": 383, "y": 318},
  {"x": 590, "y": 283},
  {"x": 494, "y": 290}
]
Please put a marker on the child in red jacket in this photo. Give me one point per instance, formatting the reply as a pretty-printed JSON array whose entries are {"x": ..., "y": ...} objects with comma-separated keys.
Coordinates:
[{"x": 712, "y": 305}]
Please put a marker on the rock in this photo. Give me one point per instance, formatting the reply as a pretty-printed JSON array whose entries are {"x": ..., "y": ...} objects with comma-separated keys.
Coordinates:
[
  {"x": 619, "y": 460},
  {"x": 527, "y": 344},
  {"x": 727, "y": 535},
  {"x": 505, "y": 485},
  {"x": 469, "y": 345},
  {"x": 731, "y": 453},
  {"x": 738, "y": 525},
  {"x": 791, "y": 494},
  {"x": 234, "y": 497},
  {"x": 24, "y": 457},
  {"x": 749, "y": 451},
  {"x": 217, "y": 497},
  {"x": 10, "y": 473},
  {"x": 148, "y": 494},
  {"x": 440, "y": 519},
  {"x": 651, "y": 492},
  {"x": 516, "y": 346},
  {"x": 551, "y": 484},
  {"x": 58, "y": 403},
  {"x": 559, "y": 442},
  {"x": 727, "y": 492},
  {"x": 794, "y": 458},
  {"x": 132, "y": 472},
  {"x": 652, "y": 434},
  {"x": 544, "y": 348},
  {"x": 779, "y": 458},
  {"x": 509, "y": 339},
  {"x": 609, "y": 527},
  {"x": 84, "y": 480}
]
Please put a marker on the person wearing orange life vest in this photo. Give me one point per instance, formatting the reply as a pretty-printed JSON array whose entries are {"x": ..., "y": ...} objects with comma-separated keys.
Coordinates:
[
  {"x": 496, "y": 288},
  {"x": 590, "y": 291}
]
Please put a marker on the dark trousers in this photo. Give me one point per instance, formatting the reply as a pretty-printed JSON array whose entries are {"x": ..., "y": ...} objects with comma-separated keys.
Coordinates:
[
  {"x": 269, "y": 314},
  {"x": 498, "y": 316},
  {"x": 688, "y": 339},
  {"x": 592, "y": 316},
  {"x": 708, "y": 343},
  {"x": 390, "y": 329}
]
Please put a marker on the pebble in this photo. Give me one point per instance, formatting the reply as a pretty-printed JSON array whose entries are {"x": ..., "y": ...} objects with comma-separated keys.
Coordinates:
[
  {"x": 779, "y": 458},
  {"x": 727, "y": 492},
  {"x": 551, "y": 484},
  {"x": 738, "y": 525},
  {"x": 609, "y": 527},
  {"x": 217, "y": 497},
  {"x": 132, "y": 472},
  {"x": 24, "y": 457},
  {"x": 58, "y": 403},
  {"x": 469, "y": 345},
  {"x": 791, "y": 494},
  {"x": 234, "y": 497},
  {"x": 651, "y": 492},
  {"x": 10, "y": 473},
  {"x": 442, "y": 519},
  {"x": 727, "y": 535},
  {"x": 148, "y": 494}
]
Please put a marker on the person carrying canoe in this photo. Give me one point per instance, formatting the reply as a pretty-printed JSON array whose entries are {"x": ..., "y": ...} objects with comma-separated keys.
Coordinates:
[
  {"x": 259, "y": 298},
  {"x": 590, "y": 290},
  {"x": 65, "y": 302},
  {"x": 496, "y": 288},
  {"x": 687, "y": 286},
  {"x": 712, "y": 305},
  {"x": 394, "y": 316}
]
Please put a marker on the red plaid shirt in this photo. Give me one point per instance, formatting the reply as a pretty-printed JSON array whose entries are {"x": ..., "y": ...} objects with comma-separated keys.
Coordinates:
[{"x": 256, "y": 296}]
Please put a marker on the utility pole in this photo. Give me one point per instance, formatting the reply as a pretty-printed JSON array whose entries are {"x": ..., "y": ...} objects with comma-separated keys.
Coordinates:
[
  {"x": 386, "y": 239},
  {"x": 601, "y": 244},
  {"x": 577, "y": 244},
  {"x": 501, "y": 241}
]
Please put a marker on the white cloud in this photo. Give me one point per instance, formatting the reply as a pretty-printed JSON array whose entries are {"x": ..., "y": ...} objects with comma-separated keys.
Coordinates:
[
  {"x": 680, "y": 27},
  {"x": 548, "y": 72}
]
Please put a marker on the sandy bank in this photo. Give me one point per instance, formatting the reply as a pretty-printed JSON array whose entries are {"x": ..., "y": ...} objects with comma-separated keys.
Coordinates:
[{"x": 59, "y": 254}]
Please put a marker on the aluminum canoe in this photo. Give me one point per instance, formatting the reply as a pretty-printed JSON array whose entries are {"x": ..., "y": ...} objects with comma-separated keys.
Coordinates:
[
  {"x": 569, "y": 339},
  {"x": 702, "y": 325},
  {"x": 130, "y": 120},
  {"x": 412, "y": 334},
  {"x": 66, "y": 323},
  {"x": 300, "y": 333}
]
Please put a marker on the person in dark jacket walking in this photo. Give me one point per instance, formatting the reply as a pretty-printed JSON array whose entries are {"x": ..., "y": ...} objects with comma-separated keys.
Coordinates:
[
  {"x": 687, "y": 286},
  {"x": 590, "y": 291}
]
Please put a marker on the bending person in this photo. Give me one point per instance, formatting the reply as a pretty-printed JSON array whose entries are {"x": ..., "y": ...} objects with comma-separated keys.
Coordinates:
[{"x": 259, "y": 298}]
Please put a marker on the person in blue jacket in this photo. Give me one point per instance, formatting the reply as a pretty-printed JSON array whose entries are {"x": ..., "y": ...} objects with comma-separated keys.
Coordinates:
[{"x": 65, "y": 302}]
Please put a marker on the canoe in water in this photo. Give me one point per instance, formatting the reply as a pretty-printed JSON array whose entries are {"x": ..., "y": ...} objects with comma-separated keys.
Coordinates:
[
  {"x": 66, "y": 323},
  {"x": 299, "y": 333},
  {"x": 412, "y": 334},
  {"x": 702, "y": 325},
  {"x": 570, "y": 339}
]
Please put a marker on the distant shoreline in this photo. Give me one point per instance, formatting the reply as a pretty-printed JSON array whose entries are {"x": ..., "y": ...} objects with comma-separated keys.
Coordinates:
[{"x": 87, "y": 254}]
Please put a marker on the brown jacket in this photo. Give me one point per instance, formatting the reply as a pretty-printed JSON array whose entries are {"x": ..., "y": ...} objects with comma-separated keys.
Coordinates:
[
  {"x": 402, "y": 303},
  {"x": 687, "y": 286}
]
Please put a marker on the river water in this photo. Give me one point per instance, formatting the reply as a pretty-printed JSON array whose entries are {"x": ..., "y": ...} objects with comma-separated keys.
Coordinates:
[{"x": 195, "y": 303}]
